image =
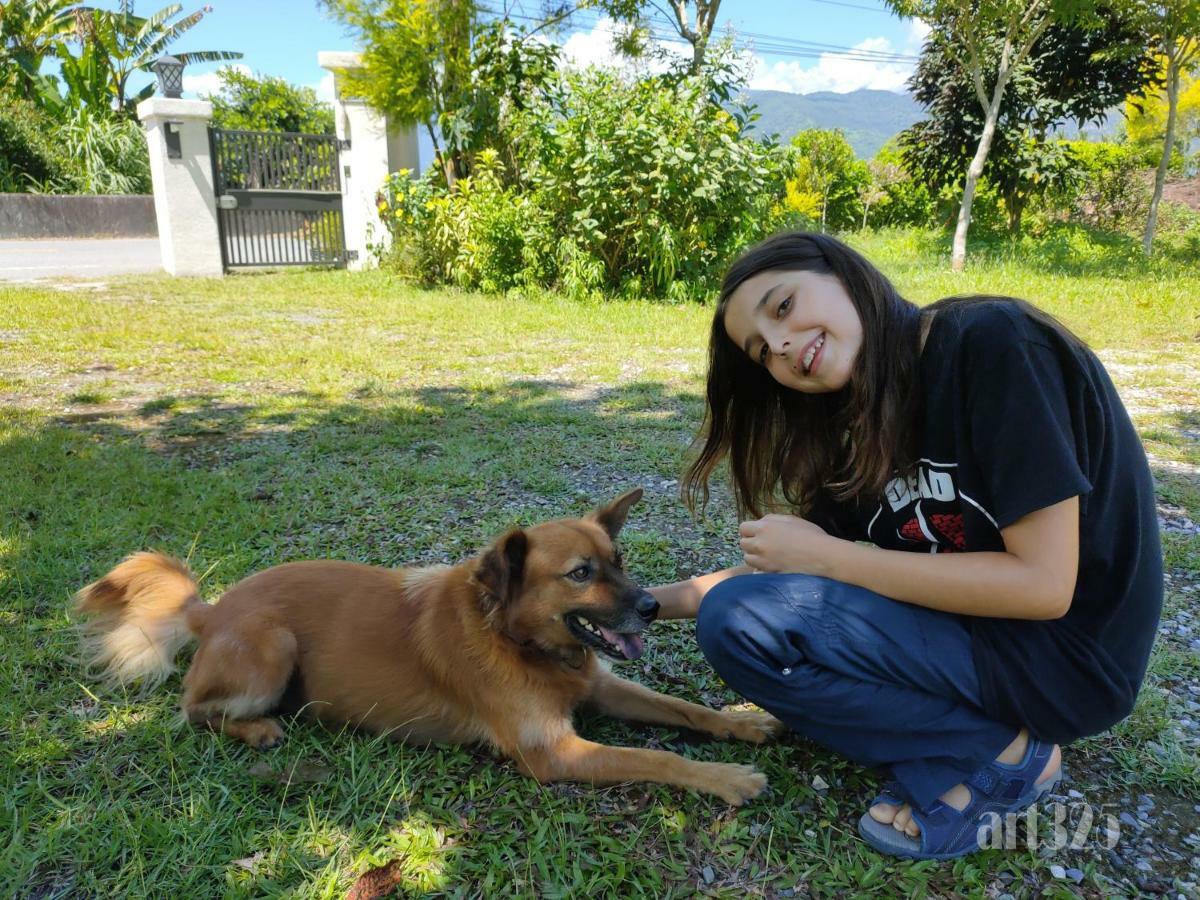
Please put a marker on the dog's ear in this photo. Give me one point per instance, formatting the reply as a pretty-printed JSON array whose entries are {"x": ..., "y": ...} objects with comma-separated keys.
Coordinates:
[
  {"x": 612, "y": 515},
  {"x": 502, "y": 567}
]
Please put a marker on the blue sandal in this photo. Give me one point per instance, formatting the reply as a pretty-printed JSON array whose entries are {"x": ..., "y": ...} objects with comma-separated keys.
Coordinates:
[
  {"x": 891, "y": 793},
  {"x": 947, "y": 833}
]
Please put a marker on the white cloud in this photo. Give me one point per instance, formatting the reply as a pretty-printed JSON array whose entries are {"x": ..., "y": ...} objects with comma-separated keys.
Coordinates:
[
  {"x": 832, "y": 72},
  {"x": 918, "y": 30},
  {"x": 324, "y": 88},
  {"x": 595, "y": 48},
  {"x": 207, "y": 82}
]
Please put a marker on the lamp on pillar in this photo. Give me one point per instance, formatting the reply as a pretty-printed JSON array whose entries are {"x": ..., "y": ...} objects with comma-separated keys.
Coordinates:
[{"x": 169, "y": 72}]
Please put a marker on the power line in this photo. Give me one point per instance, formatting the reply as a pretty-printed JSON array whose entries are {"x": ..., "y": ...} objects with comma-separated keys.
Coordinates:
[{"x": 787, "y": 47}]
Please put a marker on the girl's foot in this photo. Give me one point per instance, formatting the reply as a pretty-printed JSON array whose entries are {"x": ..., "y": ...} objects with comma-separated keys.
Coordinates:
[{"x": 900, "y": 817}]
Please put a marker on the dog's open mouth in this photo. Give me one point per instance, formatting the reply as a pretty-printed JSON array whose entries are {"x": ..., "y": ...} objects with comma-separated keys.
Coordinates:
[{"x": 618, "y": 645}]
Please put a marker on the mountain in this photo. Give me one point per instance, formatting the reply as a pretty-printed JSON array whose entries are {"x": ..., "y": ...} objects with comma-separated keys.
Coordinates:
[{"x": 867, "y": 117}]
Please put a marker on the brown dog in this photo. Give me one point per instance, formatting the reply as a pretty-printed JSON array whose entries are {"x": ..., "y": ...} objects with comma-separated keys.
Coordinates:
[{"x": 499, "y": 649}]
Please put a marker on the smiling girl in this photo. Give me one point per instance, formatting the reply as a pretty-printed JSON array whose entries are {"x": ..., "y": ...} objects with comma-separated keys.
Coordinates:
[{"x": 968, "y": 574}]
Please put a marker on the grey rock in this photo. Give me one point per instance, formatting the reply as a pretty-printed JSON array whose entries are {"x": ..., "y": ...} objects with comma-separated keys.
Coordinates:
[
  {"x": 1126, "y": 819},
  {"x": 1076, "y": 875},
  {"x": 708, "y": 874},
  {"x": 1058, "y": 871},
  {"x": 1143, "y": 866}
]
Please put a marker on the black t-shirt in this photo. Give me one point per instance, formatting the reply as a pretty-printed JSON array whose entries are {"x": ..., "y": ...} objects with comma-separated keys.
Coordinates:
[{"x": 1017, "y": 418}]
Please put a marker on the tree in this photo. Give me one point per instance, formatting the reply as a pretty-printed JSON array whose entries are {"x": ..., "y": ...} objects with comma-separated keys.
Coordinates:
[
  {"x": 30, "y": 30},
  {"x": 439, "y": 64},
  {"x": 263, "y": 103},
  {"x": 1072, "y": 73},
  {"x": 969, "y": 32},
  {"x": 130, "y": 43},
  {"x": 1146, "y": 118},
  {"x": 695, "y": 31},
  {"x": 883, "y": 175},
  {"x": 826, "y": 178},
  {"x": 1175, "y": 27}
]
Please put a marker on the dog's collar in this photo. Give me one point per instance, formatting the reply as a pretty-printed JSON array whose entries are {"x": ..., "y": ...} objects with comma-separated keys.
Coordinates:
[{"x": 574, "y": 659}]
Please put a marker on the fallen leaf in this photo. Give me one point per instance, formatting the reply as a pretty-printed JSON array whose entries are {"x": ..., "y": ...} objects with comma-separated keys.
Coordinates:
[
  {"x": 377, "y": 883},
  {"x": 250, "y": 863}
]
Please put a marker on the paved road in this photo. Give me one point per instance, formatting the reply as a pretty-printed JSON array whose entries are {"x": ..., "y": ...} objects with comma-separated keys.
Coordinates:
[{"x": 50, "y": 259}]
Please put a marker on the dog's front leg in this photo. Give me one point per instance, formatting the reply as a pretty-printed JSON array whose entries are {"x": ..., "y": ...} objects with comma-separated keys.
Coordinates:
[
  {"x": 628, "y": 700},
  {"x": 571, "y": 758}
]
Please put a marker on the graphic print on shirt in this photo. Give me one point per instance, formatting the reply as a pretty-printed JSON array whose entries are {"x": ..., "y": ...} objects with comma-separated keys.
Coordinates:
[{"x": 924, "y": 511}]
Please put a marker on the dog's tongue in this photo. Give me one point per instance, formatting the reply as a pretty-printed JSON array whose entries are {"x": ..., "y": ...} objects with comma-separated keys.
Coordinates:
[{"x": 631, "y": 645}]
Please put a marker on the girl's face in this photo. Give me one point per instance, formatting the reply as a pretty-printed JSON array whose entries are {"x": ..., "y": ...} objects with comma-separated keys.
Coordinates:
[{"x": 801, "y": 326}]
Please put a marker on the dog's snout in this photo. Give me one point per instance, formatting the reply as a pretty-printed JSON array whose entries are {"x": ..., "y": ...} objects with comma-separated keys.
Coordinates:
[{"x": 646, "y": 606}]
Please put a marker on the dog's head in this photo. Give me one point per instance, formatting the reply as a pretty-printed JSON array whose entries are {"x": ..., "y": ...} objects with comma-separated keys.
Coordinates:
[{"x": 560, "y": 586}]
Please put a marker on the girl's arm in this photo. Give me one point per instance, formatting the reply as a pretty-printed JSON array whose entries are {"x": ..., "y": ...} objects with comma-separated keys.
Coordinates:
[
  {"x": 1033, "y": 578},
  {"x": 681, "y": 600}
]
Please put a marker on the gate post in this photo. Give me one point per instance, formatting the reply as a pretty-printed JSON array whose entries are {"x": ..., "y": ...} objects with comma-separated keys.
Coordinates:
[
  {"x": 376, "y": 150},
  {"x": 185, "y": 202}
]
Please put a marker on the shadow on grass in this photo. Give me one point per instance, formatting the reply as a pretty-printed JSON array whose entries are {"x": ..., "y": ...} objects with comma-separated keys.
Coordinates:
[{"x": 112, "y": 795}]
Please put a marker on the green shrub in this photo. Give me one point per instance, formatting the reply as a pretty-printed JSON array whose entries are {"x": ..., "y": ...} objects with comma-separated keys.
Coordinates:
[
  {"x": 1109, "y": 188},
  {"x": 29, "y": 157},
  {"x": 907, "y": 201},
  {"x": 635, "y": 188},
  {"x": 481, "y": 235},
  {"x": 108, "y": 154},
  {"x": 649, "y": 185}
]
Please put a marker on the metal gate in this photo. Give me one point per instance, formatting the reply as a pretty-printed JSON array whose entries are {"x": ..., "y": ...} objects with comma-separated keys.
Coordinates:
[{"x": 279, "y": 198}]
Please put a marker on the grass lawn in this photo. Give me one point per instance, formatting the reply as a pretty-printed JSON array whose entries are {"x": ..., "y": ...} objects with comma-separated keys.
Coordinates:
[{"x": 267, "y": 418}]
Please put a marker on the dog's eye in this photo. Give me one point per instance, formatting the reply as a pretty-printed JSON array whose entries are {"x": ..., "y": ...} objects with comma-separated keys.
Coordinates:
[{"x": 580, "y": 574}]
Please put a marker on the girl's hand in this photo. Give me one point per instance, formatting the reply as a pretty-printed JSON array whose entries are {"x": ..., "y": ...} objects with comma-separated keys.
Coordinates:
[{"x": 779, "y": 543}]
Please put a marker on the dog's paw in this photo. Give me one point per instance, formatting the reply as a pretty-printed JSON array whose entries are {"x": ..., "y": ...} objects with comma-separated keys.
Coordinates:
[
  {"x": 736, "y": 784},
  {"x": 263, "y": 734},
  {"x": 753, "y": 725}
]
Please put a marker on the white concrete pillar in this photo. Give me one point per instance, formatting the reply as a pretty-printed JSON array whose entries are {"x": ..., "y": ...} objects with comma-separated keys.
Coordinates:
[
  {"x": 185, "y": 201},
  {"x": 376, "y": 150}
]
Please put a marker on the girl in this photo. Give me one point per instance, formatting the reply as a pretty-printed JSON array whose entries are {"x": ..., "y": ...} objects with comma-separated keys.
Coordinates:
[{"x": 972, "y": 574}]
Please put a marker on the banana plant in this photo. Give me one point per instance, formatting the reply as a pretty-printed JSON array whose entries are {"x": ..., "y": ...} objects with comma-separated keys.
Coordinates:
[
  {"x": 132, "y": 43},
  {"x": 31, "y": 30}
]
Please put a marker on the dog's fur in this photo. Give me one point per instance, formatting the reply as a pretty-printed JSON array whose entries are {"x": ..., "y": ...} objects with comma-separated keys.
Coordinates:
[{"x": 496, "y": 649}]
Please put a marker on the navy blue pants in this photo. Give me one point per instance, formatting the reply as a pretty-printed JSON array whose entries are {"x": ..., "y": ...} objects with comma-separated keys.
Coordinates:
[{"x": 881, "y": 682}]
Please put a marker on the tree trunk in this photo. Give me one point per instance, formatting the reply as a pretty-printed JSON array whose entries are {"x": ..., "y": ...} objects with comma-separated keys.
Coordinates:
[
  {"x": 958, "y": 256},
  {"x": 1160, "y": 177},
  {"x": 446, "y": 164}
]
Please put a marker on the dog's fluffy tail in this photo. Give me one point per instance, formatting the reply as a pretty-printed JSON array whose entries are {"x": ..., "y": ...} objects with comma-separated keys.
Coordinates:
[{"x": 136, "y": 619}]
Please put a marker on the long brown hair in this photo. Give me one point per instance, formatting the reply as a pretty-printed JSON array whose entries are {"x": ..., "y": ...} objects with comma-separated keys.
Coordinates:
[{"x": 784, "y": 445}]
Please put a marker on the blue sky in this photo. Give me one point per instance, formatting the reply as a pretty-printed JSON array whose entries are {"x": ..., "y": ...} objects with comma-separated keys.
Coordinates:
[{"x": 282, "y": 38}]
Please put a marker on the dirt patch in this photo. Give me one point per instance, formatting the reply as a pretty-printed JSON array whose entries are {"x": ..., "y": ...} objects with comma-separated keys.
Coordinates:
[{"x": 1186, "y": 192}]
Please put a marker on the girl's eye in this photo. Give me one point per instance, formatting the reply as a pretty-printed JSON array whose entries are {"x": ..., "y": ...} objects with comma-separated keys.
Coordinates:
[
  {"x": 784, "y": 306},
  {"x": 762, "y": 354},
  {"x": 580, "y": 574}
]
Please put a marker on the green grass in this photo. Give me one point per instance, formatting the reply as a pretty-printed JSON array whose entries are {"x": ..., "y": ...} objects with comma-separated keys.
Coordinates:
[{"x": 259, "y": 419}]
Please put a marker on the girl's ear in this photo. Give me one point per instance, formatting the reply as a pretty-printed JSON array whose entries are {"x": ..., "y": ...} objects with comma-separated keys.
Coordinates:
[{"x": 612, "y": 516}]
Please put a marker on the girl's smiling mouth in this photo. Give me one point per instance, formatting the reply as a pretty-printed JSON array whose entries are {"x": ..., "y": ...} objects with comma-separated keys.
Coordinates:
[{"x": 812, "y": 354}]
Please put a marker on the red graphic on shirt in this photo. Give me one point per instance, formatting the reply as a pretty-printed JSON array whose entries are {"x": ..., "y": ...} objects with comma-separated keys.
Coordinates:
[
  {"x": 950, "y": 527},
  {"x": 947, "y": 530}
]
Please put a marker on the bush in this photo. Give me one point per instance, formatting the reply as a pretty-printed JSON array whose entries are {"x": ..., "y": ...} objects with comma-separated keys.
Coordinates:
[
  {"x": 262, "y": 103},
  {"x": 108, "y": 154},
  {"x": 825, "y": 180},
  {"x": 482, "y": 235},
  {"x": 1109, "y": 188},
  {"x": 906, "y": 201},
  {"x": 622, "y": 187},
  {"x": 650, "y": 185},
  {"x": 29, "y": 157}
]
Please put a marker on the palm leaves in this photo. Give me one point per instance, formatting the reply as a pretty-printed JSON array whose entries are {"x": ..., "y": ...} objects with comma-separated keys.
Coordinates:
[
  {"x": 132, "y": 43},
  {"x": 29, "y": 31}
]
